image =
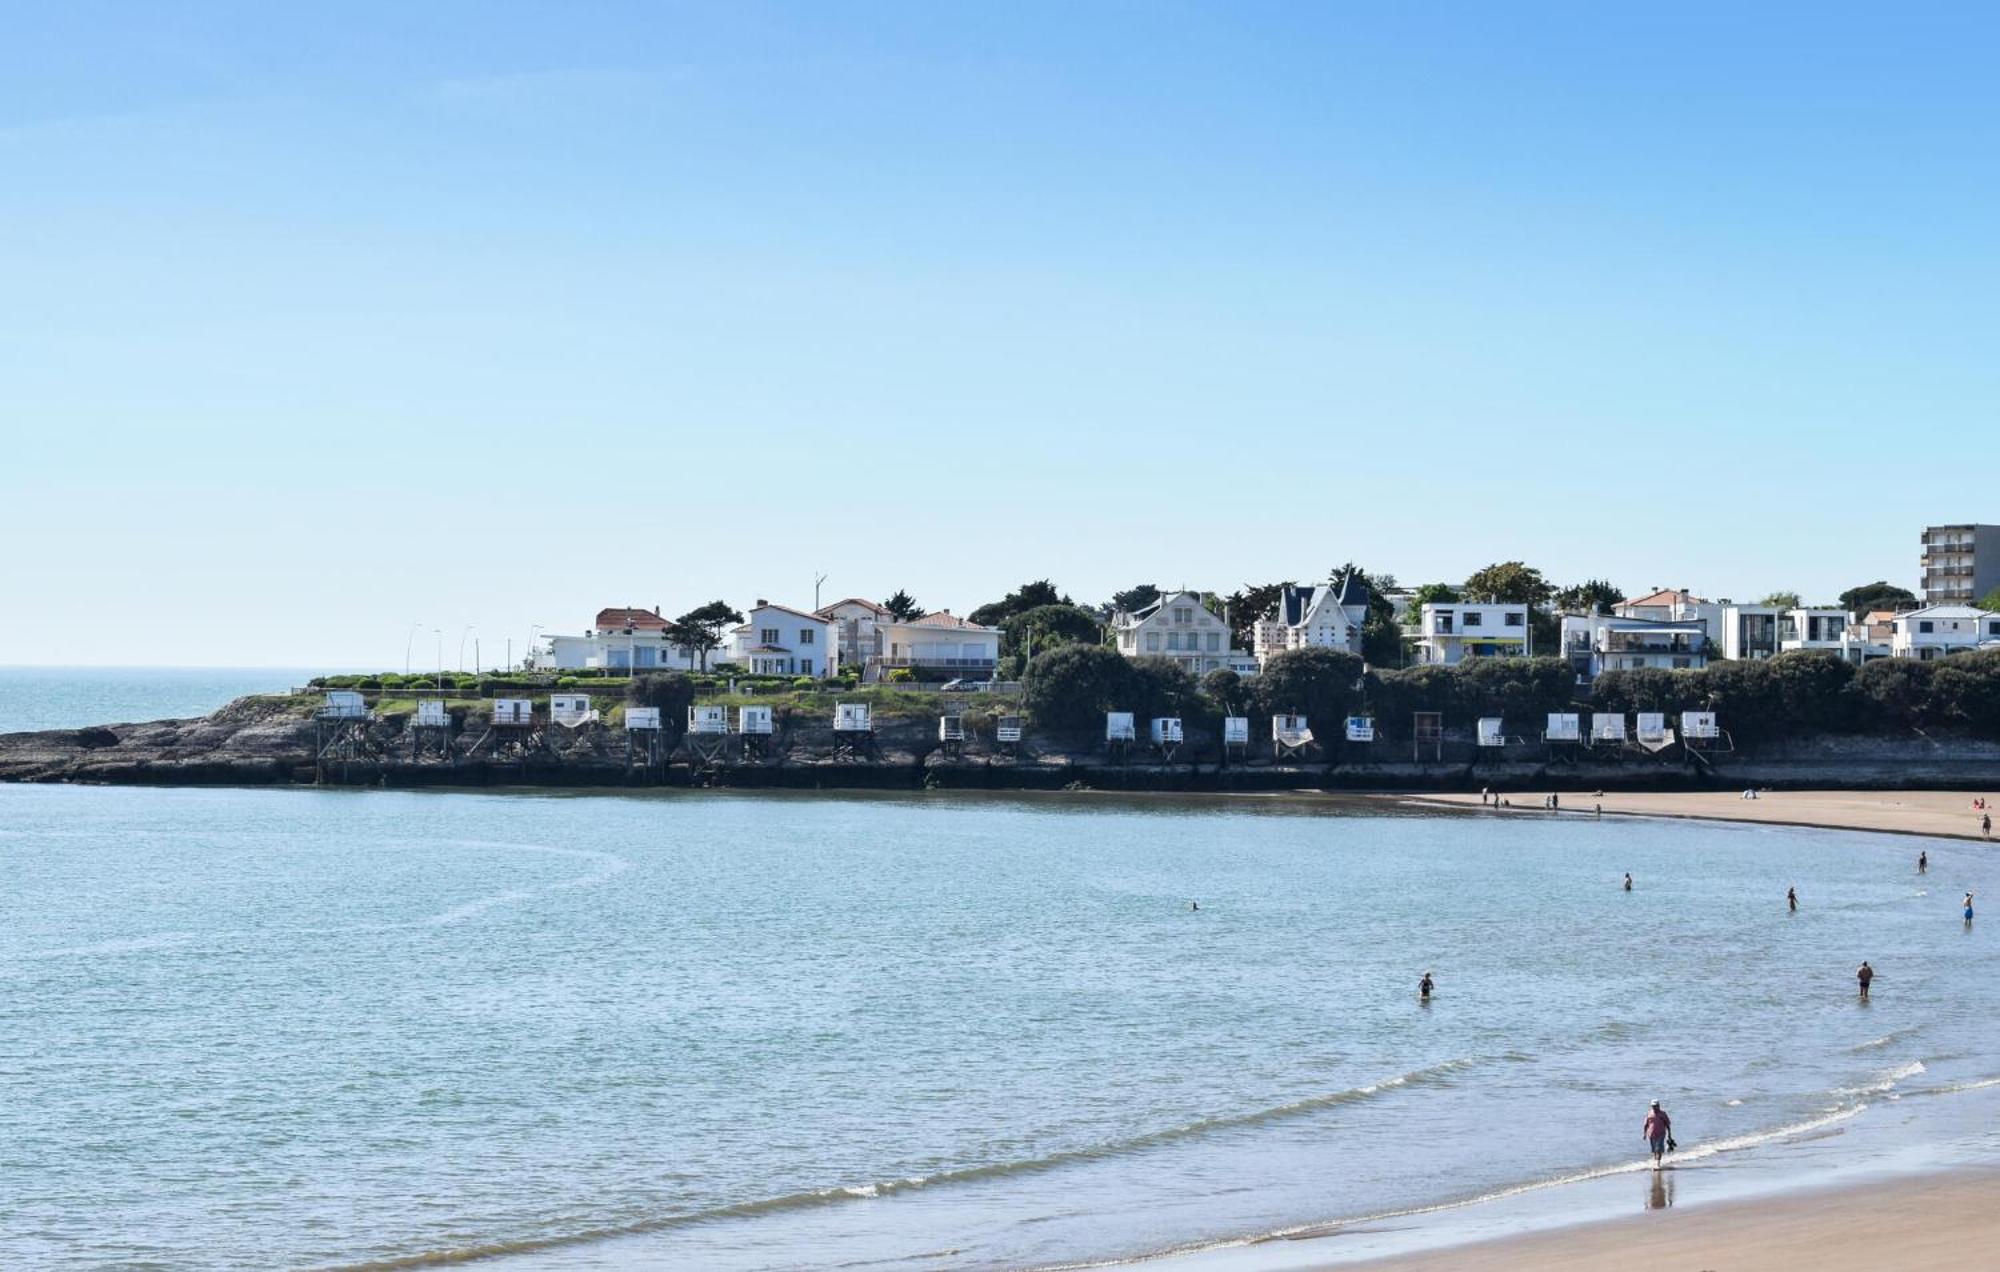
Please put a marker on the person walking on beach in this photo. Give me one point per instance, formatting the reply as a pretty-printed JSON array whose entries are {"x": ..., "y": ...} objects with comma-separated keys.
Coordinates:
[
  {"x": 1866, "y": 976},
  {"x": 1923, "y": 861},
  {"x": 1424, "y": 988},
  {"x": 1628, "y": 881},
  {"x": 1792, "y": 899},
  {"x": 1986, "y": 825},
  {"x": 1659, "y": 1132}
]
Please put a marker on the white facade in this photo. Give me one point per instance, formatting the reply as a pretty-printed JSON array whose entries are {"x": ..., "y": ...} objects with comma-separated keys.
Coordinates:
[
  {"x": 622, "y": 639},
  {"x": 940, "y": 643},
  {"x": 1677, "y": 605},
  {"x": 1597, "y": 643},
  {"x": 1937, "y": 630},
  {"x": 777, "y": 640},
  {"x": 1181, "y": 628},
  {"x": 1451, "y": 632},
  {"x": 856, "y": 636},
  {"x": 1751, "y": 631},
  {"x": 1312, "y": 618}
]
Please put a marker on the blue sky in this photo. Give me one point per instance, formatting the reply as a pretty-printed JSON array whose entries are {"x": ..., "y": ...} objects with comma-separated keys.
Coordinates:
[{"x": 324, "y": 321}]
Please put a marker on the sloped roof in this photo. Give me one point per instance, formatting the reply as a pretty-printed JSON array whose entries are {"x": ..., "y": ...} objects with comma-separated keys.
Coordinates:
[
  {"x": 827, "y": 610},
  {"x": 626, "y": 616},
  {"x": 786, "y": 609},
  {"x": 944, "y": 618},
  {"x": 1293, "y": 603},
  {"x": 1947, "y": 611},
  {"x": 1666, "y": 596}
]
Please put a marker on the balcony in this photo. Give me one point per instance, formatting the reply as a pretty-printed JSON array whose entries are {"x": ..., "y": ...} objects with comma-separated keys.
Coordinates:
[{"x": 954, "y": 664}]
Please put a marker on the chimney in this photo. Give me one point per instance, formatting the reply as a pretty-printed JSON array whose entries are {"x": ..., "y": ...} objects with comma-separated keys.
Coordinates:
[{"x": 761, "y": 602}]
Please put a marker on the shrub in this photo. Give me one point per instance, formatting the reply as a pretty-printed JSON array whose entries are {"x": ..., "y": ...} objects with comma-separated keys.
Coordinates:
[
  {"x": 1321, "y": 684},
  {"x": 1069, "y": 688},
  {"x": 902, "y": 676},
  {"x": 806, "y": 682}
]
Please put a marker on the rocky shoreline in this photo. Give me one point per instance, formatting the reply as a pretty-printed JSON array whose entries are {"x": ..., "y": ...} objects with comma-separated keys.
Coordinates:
[{"x": 273, "y": 742}]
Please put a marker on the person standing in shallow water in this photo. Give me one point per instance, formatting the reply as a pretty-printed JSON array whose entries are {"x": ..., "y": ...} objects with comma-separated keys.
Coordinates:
[
  {"x": 1628, "y": 881},
  {"x": 1923, "y": 861},
  {"x": 1792, "y": 900},
  {"x": 1968, "y": 907},
  {"x": 1659, "y": 1132},
  {"x": 1866, "y": 976},
  {"x": 1424, "y": 988}
]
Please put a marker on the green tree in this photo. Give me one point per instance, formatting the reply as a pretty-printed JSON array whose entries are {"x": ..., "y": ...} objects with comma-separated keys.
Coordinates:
[
  {"x": 1323, "y": 685},
  {"x": 1046, "y": 626},
  {"x": 1069, "y": 688},
  {"x": 1814, "y": 690},
  {"x": 1965, "y": 690},
  {"x": 1508, "y": 583},
  {"x": 1025, "y": 597},
  {"x": 1897, "y": 690},
  {"x": 1781, "y": 600},
  {"x": 1648, "y": 689},
  {"x": 1521, "y": 689},
  {"x": 1429, "y": 594},
  {"x": 704, "y": 626},
  {"x": 903, "y": 607},
  {"x": 1248, "y": 604},
  {"x": 1224, "y": 688},
  {"x": 1163, "y": 687},
  {"x": 1991, "y": 601},
  {"x": 1879, "y": 595},
  {"x": 1592, "y": 596}
]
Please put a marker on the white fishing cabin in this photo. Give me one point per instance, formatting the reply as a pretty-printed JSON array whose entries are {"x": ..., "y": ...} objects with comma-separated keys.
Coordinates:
[
  {"x": 852, "y": 717},
  {"x": 1491, "y": 731},
  {"x": 1607, "y": 727},
  {"x": 1167, "y": 731},
  {"x": 515, "y": 713},
  {"x": 431, "y": 714},
  {"x": 951, "y": 728},
  {"x": 642, "y": 719},
  {"x": 1564, "y": 726},
  {"x": 1360, "y": 728},
  {"x": 1008, "y": 731},
  {"x": 343, "y": 704},
  {"x": 708, "y": 721},
  {"x": 1236, "y": 731},
  {"x": 1699, "y": 726},
  {"x": 753, "y": 721},
  {"x": 571, "y": 710},
  {"x": 1650, "y": 727},
  {"x": 1118, "y": 727}
]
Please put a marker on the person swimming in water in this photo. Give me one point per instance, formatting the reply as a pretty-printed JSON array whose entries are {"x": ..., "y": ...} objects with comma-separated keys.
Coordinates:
[
  {"x": 1866, "y": 975},
  {"x": 1659, "y": 1132},
  {"x": 1628, "y": 881},
  {"x": 1792, "y": 899},
  {"x": 1424, "y": 988}
]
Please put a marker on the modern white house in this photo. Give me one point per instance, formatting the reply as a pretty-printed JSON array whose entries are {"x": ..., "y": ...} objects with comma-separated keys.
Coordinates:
[
  {"x": 1830, "y": 630},
  {"x": 1675, "y": 605},
  {"x": 1937, "y": 630},
  {"x": 1322, "y": 617},
  {"x": 939, "y": 645},
  {"x": 777, "y": 640},
  {"x": 1180, "y": 627},
  {"x": 856, "y": 637},
  {"x": 623, "y": 638},
  {"x": 1597, "y": 643},
  {"x": 1751, "y": 631},
  {"x": 1451, "y": 632}
]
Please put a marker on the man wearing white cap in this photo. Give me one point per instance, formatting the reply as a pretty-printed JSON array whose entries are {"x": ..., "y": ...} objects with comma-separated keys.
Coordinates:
[{"x": 1659, "y": 1132}]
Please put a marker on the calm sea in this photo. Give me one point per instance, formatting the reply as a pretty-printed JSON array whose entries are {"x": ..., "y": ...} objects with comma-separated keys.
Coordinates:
[
  {"x": 247, "y": 1029},
  {"x": 73, "y": 697},
  {"x": 253, "y": 1029}
]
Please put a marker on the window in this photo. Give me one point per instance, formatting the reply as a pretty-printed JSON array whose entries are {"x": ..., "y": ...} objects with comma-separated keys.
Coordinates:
[
  {"x": 1443, "y": 620},
  {"x": 767, "y": 636},
  {"x": 1173, "y": 640},
  {"x": 1923, "y": 624},
  {"x": 806, "y": 664},
  {"x": 1214, "y": 642},
  {"x": 1682, "y": 664},
  {"x": 1516, "y": 620},
  {"x": 1993, "y": 628},
  {"x": 1184, "y": 615},
  {"x": 1474, "y": 620},
  {"x": 1152, "y": 642},
  {"x": 805, "y": 635}
]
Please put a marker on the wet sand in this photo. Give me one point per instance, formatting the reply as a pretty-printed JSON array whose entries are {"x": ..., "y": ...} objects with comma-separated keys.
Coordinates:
[
  {"x": 1941, "y": 1223},
  {"x": 1944, "y": 813}
]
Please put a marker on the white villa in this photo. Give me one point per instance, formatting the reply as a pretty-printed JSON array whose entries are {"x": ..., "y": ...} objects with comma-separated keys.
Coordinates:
[
  {"x": 857, "y": 631},
  {"x": 1180, "y": 627},
  {"x": 778, "y": 640},
  {"x": 938, "y": 643},
  {"x": 1451, "y": 632},
  {"x": 622, "y": 638},
  {"x": 1937, "y": 630},
  {"x": 1675, "y": 605},
  {"x": 1597, "y": 643},
  {"x": 1313, "y": 618}
]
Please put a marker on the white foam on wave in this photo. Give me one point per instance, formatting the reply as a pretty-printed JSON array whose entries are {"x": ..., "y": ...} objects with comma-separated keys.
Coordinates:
[
  {"x": 1887, "y": 1082},
  {"x": 608, "y": 865}
]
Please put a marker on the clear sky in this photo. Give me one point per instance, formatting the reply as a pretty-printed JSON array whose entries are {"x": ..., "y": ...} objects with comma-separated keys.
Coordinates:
[{"x": 324, "y": 322}]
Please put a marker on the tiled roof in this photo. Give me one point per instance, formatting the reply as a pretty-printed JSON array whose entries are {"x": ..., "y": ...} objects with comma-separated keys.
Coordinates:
[
  {"x": 879, "y": 611},
  {"x": 625, "y": 616},
  {"x": 1665, "y": 597},
  {"x": 786, "y": 609}
]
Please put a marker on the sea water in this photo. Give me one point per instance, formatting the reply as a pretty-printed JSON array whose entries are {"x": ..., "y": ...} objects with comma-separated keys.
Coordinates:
[
  {"x": 35, "y": 698},
  {"x": 247, "y": 1029}
]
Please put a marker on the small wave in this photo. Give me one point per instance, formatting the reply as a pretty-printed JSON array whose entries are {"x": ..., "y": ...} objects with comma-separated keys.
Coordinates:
[
  {"x": 126, "y": 945},
  {"x": 959, "y": 1175},
  {"x": 1887, "y": 1082}
]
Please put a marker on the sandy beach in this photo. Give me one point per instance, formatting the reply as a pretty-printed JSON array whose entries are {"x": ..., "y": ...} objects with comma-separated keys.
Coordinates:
[
  {"x": 1944, "y": 813},
  {"x": 1941, "y": 1223}
]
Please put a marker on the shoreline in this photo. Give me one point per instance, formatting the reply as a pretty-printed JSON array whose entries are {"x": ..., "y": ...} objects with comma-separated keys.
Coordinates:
[{"x": 1932, "y": 813}]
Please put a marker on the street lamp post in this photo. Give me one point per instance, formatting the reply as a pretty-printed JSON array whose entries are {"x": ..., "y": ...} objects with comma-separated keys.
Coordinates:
[
  {"x": 469, "y": 629},
  {"x": 414, "y": 628}
]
